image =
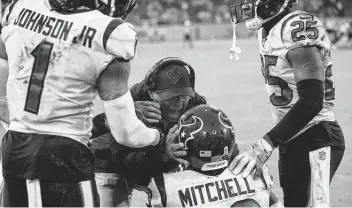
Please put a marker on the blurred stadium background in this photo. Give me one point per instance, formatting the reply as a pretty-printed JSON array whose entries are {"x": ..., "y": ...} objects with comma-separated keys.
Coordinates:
[
  {"x": 237, "y": 87},
  {"x": 162, "y": 20}
]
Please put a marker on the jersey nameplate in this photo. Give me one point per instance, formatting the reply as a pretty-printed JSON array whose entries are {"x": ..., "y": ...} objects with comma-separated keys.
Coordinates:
[
  {"x": 214, "y": 191},
  {"x": 53, "y": 27}
]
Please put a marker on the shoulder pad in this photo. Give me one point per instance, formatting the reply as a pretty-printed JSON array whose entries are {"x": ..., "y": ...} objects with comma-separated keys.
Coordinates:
[
  {"x": 303, "y": 29},
  {"x": 7, "y": 12},
  {"x": 120, "y": 39}
]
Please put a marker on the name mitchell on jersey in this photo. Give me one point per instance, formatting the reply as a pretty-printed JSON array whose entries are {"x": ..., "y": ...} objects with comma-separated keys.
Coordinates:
[
  {"x": 222, "y": 191},
  {"x": 53, "y": 27}
]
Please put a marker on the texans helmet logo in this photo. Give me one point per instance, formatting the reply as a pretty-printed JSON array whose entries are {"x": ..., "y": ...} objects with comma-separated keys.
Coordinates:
[
  {"x": 225, "y": 121},
  {"x": 187, "y": 136}
]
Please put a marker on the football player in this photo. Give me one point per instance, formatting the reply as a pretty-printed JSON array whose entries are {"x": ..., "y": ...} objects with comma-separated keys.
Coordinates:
[
  {"x": 160, "y": 99},
  {"x": 4, "y": 112},
  {"x": 209, "y": 140},
  {"x": 297, "y": 68},
  {"x": 61, "y": 54},
  {"x": 187, "y": 34}
]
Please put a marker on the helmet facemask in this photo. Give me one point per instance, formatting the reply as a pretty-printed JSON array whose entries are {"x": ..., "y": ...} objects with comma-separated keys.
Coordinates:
[
  {"x": 257, "y": 12},
  {"x": 116, "y": 8},
  {"x": 65, "y": 6}
]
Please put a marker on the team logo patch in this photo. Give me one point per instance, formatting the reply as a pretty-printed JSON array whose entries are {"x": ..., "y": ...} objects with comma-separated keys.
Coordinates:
[
  {"x": 322, "y": 155},
  {"x": 174, "y": 76}
]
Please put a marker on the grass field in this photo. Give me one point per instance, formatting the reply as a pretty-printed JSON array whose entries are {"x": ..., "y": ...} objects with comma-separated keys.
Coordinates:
[{"x": 238, "y": 89}]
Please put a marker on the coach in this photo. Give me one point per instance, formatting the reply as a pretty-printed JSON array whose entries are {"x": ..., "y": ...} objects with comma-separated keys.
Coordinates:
[{"x": 167, "y": 91}]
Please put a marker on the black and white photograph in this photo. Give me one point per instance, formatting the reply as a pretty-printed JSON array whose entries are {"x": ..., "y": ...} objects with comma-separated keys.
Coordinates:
[{"x": 175, "y": 103}]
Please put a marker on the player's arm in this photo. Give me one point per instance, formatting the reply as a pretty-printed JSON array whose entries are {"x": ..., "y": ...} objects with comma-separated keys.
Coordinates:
[
  {"x": 4, "y": 72},
  {"x": 309, "y": 75},
  {"x": 113, "y": 89}
]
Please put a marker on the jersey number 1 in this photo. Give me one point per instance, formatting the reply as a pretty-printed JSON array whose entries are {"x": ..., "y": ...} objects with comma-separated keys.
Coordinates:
[{"x": 41, "y": 55}]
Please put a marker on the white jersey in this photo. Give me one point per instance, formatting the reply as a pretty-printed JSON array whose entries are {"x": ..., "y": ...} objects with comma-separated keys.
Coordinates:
[
  {"x": 54, "y": 63},
  {"x": 192, "y": 189},
  {"x": 295, "y": 30}
]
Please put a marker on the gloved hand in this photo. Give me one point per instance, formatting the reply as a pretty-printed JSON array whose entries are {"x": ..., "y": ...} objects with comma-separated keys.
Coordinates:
[
  {"x": 252, "y": 158},
  {"x": 174, "y": 151}
]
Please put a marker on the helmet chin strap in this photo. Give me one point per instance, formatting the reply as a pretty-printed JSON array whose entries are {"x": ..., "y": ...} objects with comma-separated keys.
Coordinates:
[
  {"x": 112, "y": 8},
  {"x": 235, "y": 51}
]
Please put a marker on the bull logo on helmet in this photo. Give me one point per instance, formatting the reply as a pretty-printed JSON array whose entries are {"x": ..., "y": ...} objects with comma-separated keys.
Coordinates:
[
  {"x": 187, "y": 136},
  {"x": 225, "y": 121}
]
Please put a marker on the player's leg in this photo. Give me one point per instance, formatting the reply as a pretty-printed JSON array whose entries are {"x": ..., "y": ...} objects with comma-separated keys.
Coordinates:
[
  {"x": 53, "y": 160},
  {"x": 308, "y": 163},
  {"x": 191, "y": 44},
  {"x": 323, "y": 165},
  {"x": 112, "y": 189},
  {"x": 294, "y": 173},
  {"x": 184, "y": 42},
  {"x": 72, "y": 194},
  {"x": 36, "y": 193},
  {"x": 15, "y": 193}
]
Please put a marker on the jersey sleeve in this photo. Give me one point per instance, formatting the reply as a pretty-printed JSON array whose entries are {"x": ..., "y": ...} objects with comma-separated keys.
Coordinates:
[
  {"x": 8, "y": 15},
  {"x": 120, "y": 39},
  {"x": 302, "y": 29}
]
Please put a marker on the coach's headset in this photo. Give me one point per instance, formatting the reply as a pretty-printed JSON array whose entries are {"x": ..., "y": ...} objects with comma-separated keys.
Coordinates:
[{"x": 168, "y": 61}]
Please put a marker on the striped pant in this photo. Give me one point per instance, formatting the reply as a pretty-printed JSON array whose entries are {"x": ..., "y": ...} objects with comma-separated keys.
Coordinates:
[{"x": 39, "y": 193}]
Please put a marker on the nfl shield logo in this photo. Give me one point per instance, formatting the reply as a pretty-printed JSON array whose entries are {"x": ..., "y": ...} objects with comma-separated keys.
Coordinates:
[{"x": 322, "y": 155}]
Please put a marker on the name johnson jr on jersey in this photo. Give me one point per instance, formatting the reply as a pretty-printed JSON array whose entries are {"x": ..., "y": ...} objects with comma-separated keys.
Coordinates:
[{"x": 52, "y": 27}]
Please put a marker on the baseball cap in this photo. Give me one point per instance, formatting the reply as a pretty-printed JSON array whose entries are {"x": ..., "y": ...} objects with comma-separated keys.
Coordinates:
[{"x": 173, "y": 80}]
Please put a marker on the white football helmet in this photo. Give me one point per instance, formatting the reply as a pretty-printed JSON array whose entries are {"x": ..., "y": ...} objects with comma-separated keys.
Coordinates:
[
  {"x": 116, "y": 8},
  {"x": 257, "y": 12},
  {"x": 113, "y": 8}
]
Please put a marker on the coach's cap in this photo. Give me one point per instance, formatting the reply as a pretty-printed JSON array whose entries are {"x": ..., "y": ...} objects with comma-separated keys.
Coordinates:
[{"x": 173, "y": 80}]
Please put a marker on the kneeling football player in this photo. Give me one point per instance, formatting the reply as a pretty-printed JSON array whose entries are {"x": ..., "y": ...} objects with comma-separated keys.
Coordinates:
[{"x": 209, "y": 139}]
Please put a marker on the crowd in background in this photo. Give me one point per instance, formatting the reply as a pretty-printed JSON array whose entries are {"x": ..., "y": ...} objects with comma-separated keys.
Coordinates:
[
  {"x": 151, "y": 14},
  {"x": 213, "y": 11}
]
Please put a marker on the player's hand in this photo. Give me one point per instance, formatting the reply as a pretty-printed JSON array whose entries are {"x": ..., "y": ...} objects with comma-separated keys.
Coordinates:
[
  {"x": 252, "y": 159},
  {"x": 174, "y": 151},
  {"x": 148, "y": 111}
]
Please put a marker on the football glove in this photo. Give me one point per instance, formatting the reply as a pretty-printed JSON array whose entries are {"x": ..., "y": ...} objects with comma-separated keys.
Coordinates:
[{"x": 252, "y": 158}]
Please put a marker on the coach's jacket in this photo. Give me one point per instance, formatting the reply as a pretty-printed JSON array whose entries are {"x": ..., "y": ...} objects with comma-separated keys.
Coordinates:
[{"x": 138, "y": 165}]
